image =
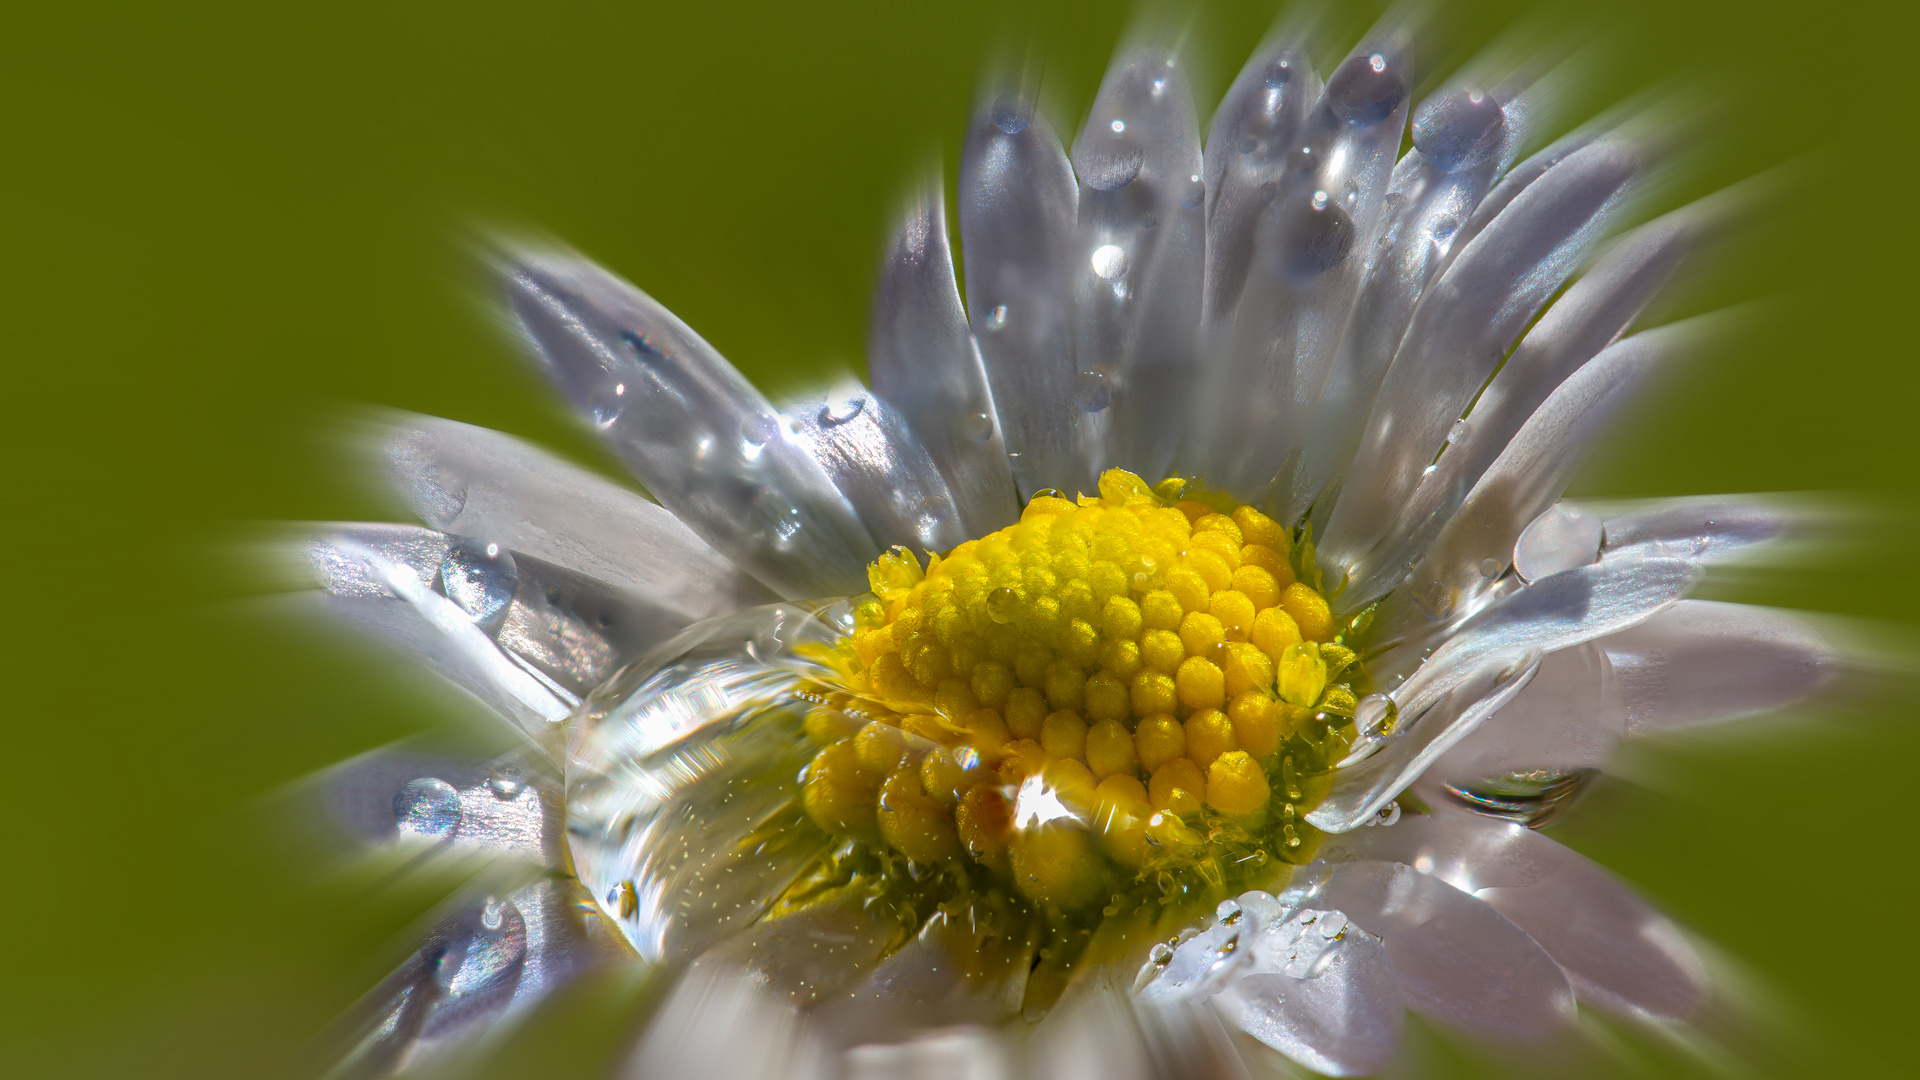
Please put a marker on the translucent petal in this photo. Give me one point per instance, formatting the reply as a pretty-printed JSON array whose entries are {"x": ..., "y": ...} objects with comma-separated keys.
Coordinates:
[
  {"x": 1142, "y": 245},
  {"x": 484, "y": 963},
  {"x": 703, "y": 441},
  {"x": 1420, "y": 224},
  {"x": 1571, "y": 716},
  {"x": 879, "y": 466},
  {"x": 379, "y": 579},
  {"x": 1311, "y": 257},
  {"x": 1345, "y": 1021},
  {"x": 1456, "y": 958},
  {"x": 924, "y": 362},
  {"x": 1617, "y": 951},
  {"x": 1382, "y": 768},
  {"x": 474, "y": 482},
  {"x": 1552, "y": 614},
  {"x": 1259, "y": 212},
  {"x": 1704, "y": 528},
  {"x": 660, "y": 811},
  {"x": 503, "y": 806},
  {"x": 960, "y": 969},
  {"x": 1452, "y": 574},
  {"x": 1704, "y": 660},
  {"x": 1592, "y": 313},
  {"x": 719, "y": 1021},
  {"x": 1465, "y": 323},
  {"x": 1018, "y": 238}
]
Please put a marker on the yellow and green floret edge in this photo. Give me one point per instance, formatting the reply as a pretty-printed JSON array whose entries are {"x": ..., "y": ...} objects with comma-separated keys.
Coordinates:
[{"x": 1124, "y": 704}]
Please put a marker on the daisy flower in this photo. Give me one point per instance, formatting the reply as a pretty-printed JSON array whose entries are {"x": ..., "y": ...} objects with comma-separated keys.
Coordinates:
[{"x": 1166, "y": 662}]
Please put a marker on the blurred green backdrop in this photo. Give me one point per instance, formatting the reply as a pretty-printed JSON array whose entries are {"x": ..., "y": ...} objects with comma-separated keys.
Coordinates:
[{"x": 226, "y": 225}]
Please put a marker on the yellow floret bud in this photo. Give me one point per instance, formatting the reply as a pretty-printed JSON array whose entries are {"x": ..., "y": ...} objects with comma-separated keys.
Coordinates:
[
  {"x": 1265, "y": 558},
  {"x": 1121, "y": 659},
  {"x": 987, "y": 733},
  {"x": 1019, "y": 759},
  {"x": 1110, "y": 749},
  {"x": 1065, "y": 685},
  {"x": 1257, "y": 723},
  {"x": 991, "y": 682},
  {"x": 1063, "y": 735},
  {"x": 1162, "y": 650},
  {"x": 1120, "y": 819},
  {"x": 1153, "y": 692},
  {"x": 1200, "y": 685},
  {"x": 1178, "y": 787},
  {"x": 1309, "y": 611},
  {"x": 1071, "y": 781},
  {"x": 1025, "y": 709},
  {"x": 1211, "y": 567},
  {"x": 892, "y": 575},
  {"x": 1247, "y": 668},
  {"x": 828, "y": 725},
  {"x": 1121, "y": 618},
  {"x": 1189, "y": 588},
  {"x": 943, "y": 776},
  {"x": 1258, "y": 528},
  {"x": 913, "y": 822},
  {"x": 1218, "y": 543},
  {"x": 1209, "y": 734},
  {"x": 1118, "y": 487},
  {"x": 1234, "y": 611},
  {"x": 1046, "y": 506},
  {"x": 984, "y": 821},
  {"x": 1302, "y": 675},
  {"x": 1258, "y": 585},
  {"x": 1274, "y": 632},
  {"x": 881, "y": 747},
  {"x": 1236, "y": 784},
  {"x": 1106, "y": 580},
  {"x": 1055, "y": 864},
  {"x": 840, "y": 792},
  {"x": 1200, "y": 632},
  {"x": 1160, "y": 609},
  {"x": 1158, "y": 740},
  {"x": 1107, "y": 698}
]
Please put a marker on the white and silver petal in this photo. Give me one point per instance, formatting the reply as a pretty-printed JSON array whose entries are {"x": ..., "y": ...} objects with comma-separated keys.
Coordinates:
[
  {"x": 923, "y": 361},
  {"x": 1704, "y": 660},
  {"x": 871, "y": 456},
  {"x": 698, "y": 435}
]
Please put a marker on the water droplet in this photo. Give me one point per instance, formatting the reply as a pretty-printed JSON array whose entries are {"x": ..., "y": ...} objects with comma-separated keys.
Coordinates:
[
  {"x": 1313, "y": 235},
  {"x": 1351, "y": 191},
  {"x": 841, "y": 409},
  {"x": 490, "y": 915},
  {"x": 978, "y": 427},
  {"x": 506, "y": 785},
  {"x": 1109, "y": 261},
  {"x": 427, "y": 807},
  {"x": 1002, "y": 604},
  {"x": 998, "y": 317},
  {"x": 1118, "y": 126},
  {"x": 1162, "y": 954},
  {"x": 1489, "y": 568},
  {"x": 758, "y": 428},
  {"x": 480, "y": 576},
  {"x": 1560, "y": 539},
  {"x": 1365, "y": 90},
  {"x": 1459, "y": 130},
  {"x": 1279, "y": 73},
  {"x": 1443, "y": 228},
  {"x": 1386, "y": 815},
  {"x": 1010, "y": 114},
  {"x": 1458, "y": 432},
  {"x": 1193, "y": 192},
  {"x": 1228, "y": 912},
  {"x": 1092, "y": 391}
]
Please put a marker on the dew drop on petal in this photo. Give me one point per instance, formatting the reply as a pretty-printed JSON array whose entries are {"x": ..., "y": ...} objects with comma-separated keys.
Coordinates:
[
  {"x": 1458, "y": 432},
  {"x": 997, "y": 318},
  {"x": 1314, "y": 235},
  {"x": 506, "y": 785},
  {"x": 1459, "y": 130},
  {"x": 978, "y": 426},
  {"x": 479, "y": 576},
  {"x": 1365, "y": 90},
  {"x": 1193, "y": 192},
  {"x": 427, "y": 807},
  {"x": 1489, "y": 568},
  {"x": 1109, "y": 261},
  {"x": 1092, "y": 391},
  {"x": 1562, "y": 538}
]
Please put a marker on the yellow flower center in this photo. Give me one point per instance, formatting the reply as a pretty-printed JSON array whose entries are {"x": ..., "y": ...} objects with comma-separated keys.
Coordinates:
[{"x": 1127, "y": 686}]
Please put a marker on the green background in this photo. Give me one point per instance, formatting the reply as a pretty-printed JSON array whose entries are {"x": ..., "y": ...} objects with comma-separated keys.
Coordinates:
[{"x": 226, "y": 227}]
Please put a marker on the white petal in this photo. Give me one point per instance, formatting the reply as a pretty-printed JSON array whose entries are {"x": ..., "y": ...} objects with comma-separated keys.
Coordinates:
[
  {"x": 923, "y": 361},
  {"x": 1704, "y": 528},
  {"x": 378, "y": 578},
  {"x": 1363, "y": 785},
  {"x": 470, "y": 481},
  {"x": 1138, "y": 275},
  {"x": 1596, "y": 310},
  {"x": 1618, "y": 952},
  {"x": 720, "y": 1021},
  {"x": 1453, "y": 573},
  {"x": 879, "y": 466},
  {"x": 1705, "y": 661},
  {"x": 961, "y": 968},
  {"x": 1464, "y": 326},
  {"x": 1018, "y": 210},
  {"x": 1345, "y": 1021},
  {"x": 1457, "y": 960},
  {"x": 1569, "y": 717},
  {"x": 697, "y": 434}
]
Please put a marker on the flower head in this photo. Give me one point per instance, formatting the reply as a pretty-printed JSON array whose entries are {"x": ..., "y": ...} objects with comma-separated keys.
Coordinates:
[{"x": 934, "y": 708}]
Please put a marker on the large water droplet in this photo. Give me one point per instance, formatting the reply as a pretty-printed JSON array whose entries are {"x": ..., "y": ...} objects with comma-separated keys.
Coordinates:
[
  {"x": 1443, "y": 228},
  {"x": 480, "y": 576},
  {"x": 1279, "y": 73},
  {"x": 978, "y": 426},
  {"x": 1458, "y": 432},
  {"x": 1365, "y": 90},
  {"x": 1562, "y": 538},
  {"x": 426, "y": 807},
  {"x": 1314, "y": 235},
  {"x": 1092, "y": 391},
  {"x": 1459, "y": 130},
  {"x": 1109, "y": 261},
  {"x": 1002, "y": 605}
]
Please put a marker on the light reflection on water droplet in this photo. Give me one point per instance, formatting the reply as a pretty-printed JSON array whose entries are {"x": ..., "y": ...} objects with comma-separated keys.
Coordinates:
[
  {"x": 1118, "y": 126},
  {"x": 979, "y": 427},
  {"x": 1109, "y": 261},
  {"x": 998, "y": 317},
  {"x": 1458, "y": 432}
]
